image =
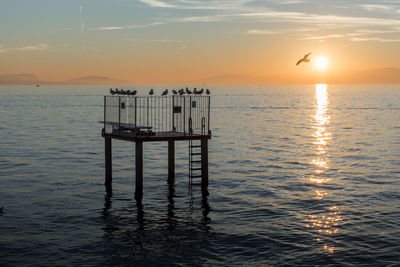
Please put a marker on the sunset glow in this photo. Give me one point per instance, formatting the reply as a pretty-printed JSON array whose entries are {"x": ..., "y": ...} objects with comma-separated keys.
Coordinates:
[
  {"x": 321, "y": 62},
  {"x": 197, "y": 42}
]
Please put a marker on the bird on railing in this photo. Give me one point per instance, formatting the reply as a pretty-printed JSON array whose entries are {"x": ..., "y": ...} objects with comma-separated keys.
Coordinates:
[
  {"x": 112, "y": 92},
  {"x": 181, "y": 91},
  {"x": 128, "y": 92},
  {"x": 201, "y": 91},
  {"x": 195, "y": 91},
  {"x": 207, "y": 92},
  {"x": 151, "y": 92},
  {"x": 133, "y": 92},
  {"x": 174, "y": 92},
  {"x": 123, "y": 92},
  {"x": 188, "y": 91},
  {"x": 165, "y": 92},
  {"x": 117, "y": 91}
]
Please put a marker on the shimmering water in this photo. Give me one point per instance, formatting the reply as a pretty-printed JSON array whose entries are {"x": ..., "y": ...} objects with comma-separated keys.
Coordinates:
[{"x": 299, "y": 175}]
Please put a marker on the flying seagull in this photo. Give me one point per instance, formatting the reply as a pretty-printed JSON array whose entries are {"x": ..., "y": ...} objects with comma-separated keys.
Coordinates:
[{"x": 304, "y": 59}]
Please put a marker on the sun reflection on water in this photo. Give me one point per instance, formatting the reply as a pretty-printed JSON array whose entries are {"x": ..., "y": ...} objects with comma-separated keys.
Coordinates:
[{"x": 324, "y": 224}]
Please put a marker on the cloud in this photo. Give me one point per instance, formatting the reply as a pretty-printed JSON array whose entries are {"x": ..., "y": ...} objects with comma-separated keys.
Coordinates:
[
  {"x": 377, "y": 39},
  {"x": 113, "y": 28},
  {"x": 38, "y": 47},
  {"x": 262, "y": 32}
]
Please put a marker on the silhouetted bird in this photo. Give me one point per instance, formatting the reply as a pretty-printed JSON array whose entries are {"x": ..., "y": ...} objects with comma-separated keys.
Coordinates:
[
  {"x": 174, "y": 92},
  {"x": 117, "y": 91},
  {"x": 112, "y": 91},
  {"x": 188, "y": 91},
  {"x": 123, "y": 92},
  {"x": 207, "y": 91},
  {"x": 181, "y": 91},
  {"x": 304, "y": 59},
  {"x": 165, "y": 92},
  {"x": 133, "y": 92},
  {"x": 195, "y": 91},
  {"x": 151, "y": 92},
  {"x": 128, "y": 92},
  {"x": 201, "y": 91}
]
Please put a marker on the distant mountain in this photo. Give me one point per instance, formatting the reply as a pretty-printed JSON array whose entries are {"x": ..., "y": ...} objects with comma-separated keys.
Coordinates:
[
  {"x": 22, "y": 78},
  {"x": 96, "y": 80}
]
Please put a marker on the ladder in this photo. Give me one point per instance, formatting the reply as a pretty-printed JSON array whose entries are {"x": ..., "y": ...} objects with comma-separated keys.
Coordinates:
[{"x": 194, "y": 162}]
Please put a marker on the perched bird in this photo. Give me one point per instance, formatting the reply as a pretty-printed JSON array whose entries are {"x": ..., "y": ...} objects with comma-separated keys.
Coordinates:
[
  {"x": 201, "y": 91},
  {"x": 174, "y": 92},
  {"x": 304, "y": 59},
  {"x": 123, "y": 92},
  {"x": 195, "y": 91},
  {"x": 188, "y": 91},
  {"x": 165, "y": 92},
  {"x": 151, "y": 92},
  {"x": 128, "y": 92},
  {"x": 133, "y": 92},
  {"x": 181, "y": 91},
  {"x": 207, "y": 91},
  {"x": 117, "y": 91},
  {"x": 112, "y": 92}
]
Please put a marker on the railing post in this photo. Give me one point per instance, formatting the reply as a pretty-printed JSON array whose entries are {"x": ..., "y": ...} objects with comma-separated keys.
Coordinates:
[{"x": 119, "y": 113}]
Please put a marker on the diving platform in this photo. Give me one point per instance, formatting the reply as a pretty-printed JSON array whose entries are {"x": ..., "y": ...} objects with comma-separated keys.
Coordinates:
[{"x": 169, "y": 119}]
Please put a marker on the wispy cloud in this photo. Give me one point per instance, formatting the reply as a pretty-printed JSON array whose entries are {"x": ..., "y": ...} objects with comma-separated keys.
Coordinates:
[
  {"x": 262, "y": 32},
  {"x": 82, "y": 26},
  {"x": 199, "y": 5},
  {"x": 113, "y": 28},
  {"x": 377, "y": 39},
  {"x": 25, "y": 48},
  {"x": 154, "y": 40}
]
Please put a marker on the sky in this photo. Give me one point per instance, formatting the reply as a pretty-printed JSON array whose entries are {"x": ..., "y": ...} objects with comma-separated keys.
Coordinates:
[{"x": 199, "y": 41}]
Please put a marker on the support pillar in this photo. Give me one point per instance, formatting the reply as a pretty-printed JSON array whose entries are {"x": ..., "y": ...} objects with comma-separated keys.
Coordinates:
[
  {"x": 171, "y": 162},
  {"x": 108, "y": 162},
  {"x": 139, "y": 171},
  {"x": 204, "y": 166}
]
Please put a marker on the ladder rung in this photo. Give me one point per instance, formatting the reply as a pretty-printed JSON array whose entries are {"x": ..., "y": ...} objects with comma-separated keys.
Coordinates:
[
  {"x": 195, "y": 161},
  {"x": 195, "y": 176},
  {"x": 195, "y": 169},
  {"x": 195, "y": 183},
  {"x": 196, "y": 146},
  {"x": 195, "y": 154}
]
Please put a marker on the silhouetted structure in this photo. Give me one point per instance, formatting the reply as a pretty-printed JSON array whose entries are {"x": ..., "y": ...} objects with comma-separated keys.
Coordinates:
[{"x": 159, "y": 118}]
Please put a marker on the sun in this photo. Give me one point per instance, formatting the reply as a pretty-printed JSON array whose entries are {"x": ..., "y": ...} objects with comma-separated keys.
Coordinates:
[{"x": 321, "y": 62}]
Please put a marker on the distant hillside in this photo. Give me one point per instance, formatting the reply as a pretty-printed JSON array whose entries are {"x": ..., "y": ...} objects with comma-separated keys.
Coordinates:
[
  {"x": 96, "y": 80},
  {"x": 22, "y": 78}
]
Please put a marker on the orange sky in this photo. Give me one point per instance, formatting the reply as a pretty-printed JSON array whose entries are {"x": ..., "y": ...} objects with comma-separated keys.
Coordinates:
[{"x": 189, "y": 42}]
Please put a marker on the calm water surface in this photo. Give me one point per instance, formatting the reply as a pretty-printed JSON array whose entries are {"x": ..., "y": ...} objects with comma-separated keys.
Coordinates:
[{"x": 299, "y": 175}]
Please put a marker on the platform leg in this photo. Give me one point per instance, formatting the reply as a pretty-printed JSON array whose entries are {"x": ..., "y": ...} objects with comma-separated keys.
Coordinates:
[
  {"x": 204, "y": 166},
  {"x": 171, "y": 162},
  {"x": 108, "y": 162},
  {"x": 139, "y": 171}
]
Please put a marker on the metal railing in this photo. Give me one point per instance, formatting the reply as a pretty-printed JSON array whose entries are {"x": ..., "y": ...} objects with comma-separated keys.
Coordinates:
[{"x": 188, "y": 114}]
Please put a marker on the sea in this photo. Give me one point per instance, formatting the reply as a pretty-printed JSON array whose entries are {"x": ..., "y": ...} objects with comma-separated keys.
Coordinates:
[{"x": 299, "y": 175}]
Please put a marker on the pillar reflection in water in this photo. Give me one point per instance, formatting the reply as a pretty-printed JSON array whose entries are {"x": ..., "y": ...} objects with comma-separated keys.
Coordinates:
[{"x": 326, "y": 223}]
